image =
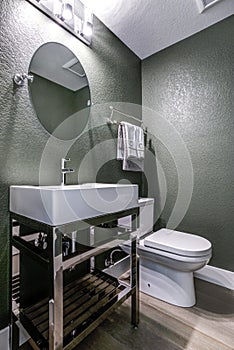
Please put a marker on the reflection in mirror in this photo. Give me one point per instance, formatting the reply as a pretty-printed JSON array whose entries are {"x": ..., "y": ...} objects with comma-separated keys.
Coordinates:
[{"x": 60, "y": 91}]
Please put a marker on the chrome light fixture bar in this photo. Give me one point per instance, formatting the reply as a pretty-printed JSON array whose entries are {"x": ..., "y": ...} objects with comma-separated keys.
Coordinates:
[{"x": 72, "y": 15}]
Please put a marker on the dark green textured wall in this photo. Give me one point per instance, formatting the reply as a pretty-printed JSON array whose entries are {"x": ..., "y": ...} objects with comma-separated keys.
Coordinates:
[
  {"x": 191, "y": 86},
  {"x": 114, "y": 75}
]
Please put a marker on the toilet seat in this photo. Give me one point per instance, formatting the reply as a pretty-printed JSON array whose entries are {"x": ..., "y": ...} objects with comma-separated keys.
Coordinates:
[{"x": 179, "y": 243}]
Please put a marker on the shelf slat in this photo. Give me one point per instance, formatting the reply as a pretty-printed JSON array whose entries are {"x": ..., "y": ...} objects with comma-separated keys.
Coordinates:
[{"x": 84, "y": 300}]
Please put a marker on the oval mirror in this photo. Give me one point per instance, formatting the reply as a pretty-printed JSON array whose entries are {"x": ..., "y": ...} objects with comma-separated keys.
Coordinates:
[{"x": 60, "y": 90}]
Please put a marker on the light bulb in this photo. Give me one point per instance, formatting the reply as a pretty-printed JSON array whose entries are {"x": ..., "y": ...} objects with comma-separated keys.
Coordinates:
[
  {"x": 88, "y": 29},
  {"x": 66, "y": 13},
  {"x": 57, "y": 8}
]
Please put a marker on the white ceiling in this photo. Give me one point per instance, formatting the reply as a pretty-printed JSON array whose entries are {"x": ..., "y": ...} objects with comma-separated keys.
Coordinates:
[{"x": 148, "y": 26}]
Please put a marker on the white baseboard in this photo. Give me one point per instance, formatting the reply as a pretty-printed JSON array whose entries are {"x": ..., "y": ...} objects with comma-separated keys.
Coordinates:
[{"x": 216, "y": 275}]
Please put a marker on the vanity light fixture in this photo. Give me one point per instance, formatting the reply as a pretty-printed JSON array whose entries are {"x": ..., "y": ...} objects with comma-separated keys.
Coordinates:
[{"x": 72, "y": 15}]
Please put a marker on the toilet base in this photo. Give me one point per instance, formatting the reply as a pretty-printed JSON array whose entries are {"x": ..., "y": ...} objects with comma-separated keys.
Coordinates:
[{"x": 174, "y": 287}]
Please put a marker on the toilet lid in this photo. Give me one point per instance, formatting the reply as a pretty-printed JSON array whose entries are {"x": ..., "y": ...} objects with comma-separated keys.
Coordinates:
[{"x": 178, "y": 243}]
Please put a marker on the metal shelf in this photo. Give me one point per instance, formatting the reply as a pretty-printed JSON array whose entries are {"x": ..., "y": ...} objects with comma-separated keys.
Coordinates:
[
  {"x": 84, "y": 302},
  {"x": 70, "y": 308}
]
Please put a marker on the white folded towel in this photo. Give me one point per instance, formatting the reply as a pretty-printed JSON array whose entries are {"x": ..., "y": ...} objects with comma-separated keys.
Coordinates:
[
  {"x": 140, "y": 142},
  {"x": 130, "y": 146}
]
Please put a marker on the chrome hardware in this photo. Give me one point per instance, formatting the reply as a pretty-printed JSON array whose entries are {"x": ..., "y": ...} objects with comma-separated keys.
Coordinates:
[
  {"x": 111, "y": 121},
  {"x": 110, "y": 261},
  {"x": 19, "y": 79},
  {"x": 40, "y": 241},
  {"x": 64, "y": 170},
  {"x": 66, "y": 247}
]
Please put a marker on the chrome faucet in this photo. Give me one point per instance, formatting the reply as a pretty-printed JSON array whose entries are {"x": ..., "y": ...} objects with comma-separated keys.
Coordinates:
[{"x": 64, "y": 170}]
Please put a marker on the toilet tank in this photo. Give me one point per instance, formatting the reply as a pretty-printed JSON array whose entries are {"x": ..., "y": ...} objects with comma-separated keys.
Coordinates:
[{"x": 146, "y": 217}]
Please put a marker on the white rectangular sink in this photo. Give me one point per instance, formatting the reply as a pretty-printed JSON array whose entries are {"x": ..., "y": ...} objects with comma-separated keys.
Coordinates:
[{"x": 57, "y": 205}]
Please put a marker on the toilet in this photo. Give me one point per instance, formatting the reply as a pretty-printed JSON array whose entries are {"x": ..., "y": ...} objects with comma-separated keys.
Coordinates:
[{"x": 168, "y": 259}]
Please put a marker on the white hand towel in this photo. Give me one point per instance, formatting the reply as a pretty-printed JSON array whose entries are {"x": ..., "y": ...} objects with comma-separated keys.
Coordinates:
[
  {"x": 139, "y": 142},
  {"x": 130, "y": 147},
  {"x": 129, "y": 137}
]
